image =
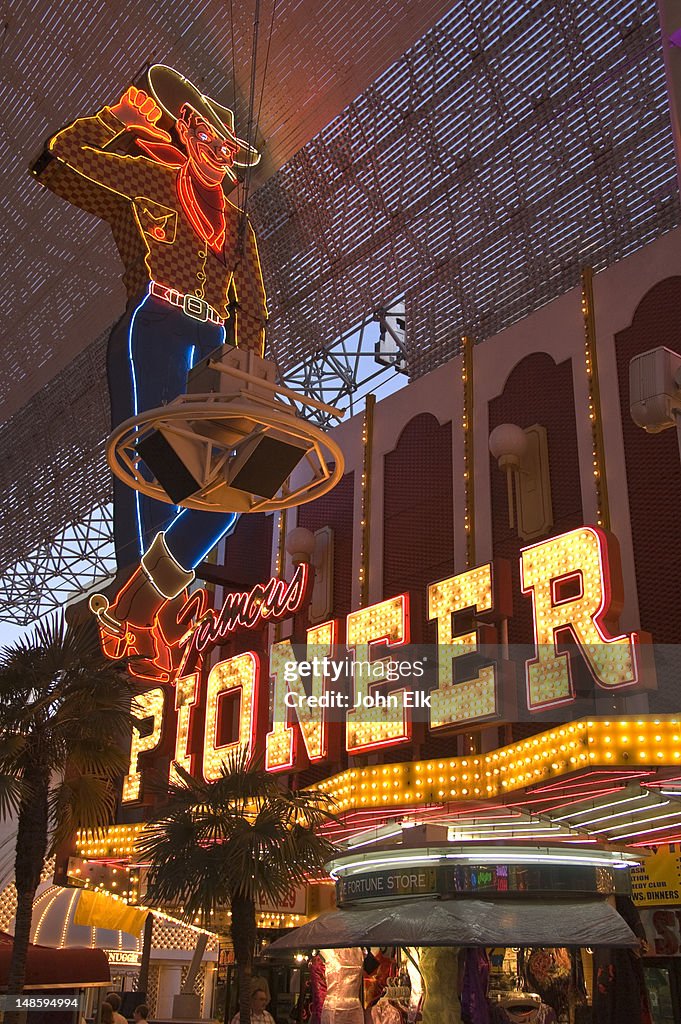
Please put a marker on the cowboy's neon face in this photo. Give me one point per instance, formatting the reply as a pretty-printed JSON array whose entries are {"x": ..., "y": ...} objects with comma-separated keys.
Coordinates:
[{"x": 210, "y": 155}]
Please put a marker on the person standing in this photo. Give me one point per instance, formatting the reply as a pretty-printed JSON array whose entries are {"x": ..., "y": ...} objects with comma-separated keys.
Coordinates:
[
  {"x": 259, "y": 1015},
  {"x": 114, "y": 1001}
]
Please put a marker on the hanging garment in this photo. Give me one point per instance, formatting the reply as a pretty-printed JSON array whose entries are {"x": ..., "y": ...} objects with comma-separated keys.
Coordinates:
[
  {"x": 342, "y": 1004},
  {"x": 541, "y": 1014},
  {"x": 474, "y": 1005},
  {"x": 317, "y": 988}
]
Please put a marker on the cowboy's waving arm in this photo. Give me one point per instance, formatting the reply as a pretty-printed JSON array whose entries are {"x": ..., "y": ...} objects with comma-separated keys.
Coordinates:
[{"x": 83, "y": 146}]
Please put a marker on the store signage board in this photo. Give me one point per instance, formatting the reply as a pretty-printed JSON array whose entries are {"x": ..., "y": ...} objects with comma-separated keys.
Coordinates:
[
  {"x": 657, "y": 881},
  {"x": 295, "y": 903},
  {"x": 469, "y": 880},
  {"x": 573, "y": 582},
  {"x": 123, "y": 958},
  {"x": 386, "y": 884}
]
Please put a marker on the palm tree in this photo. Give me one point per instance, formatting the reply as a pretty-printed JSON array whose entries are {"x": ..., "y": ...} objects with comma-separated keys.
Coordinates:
[
  {"x": 64, "y": 711},
  {"x": 234, "y": 842}
]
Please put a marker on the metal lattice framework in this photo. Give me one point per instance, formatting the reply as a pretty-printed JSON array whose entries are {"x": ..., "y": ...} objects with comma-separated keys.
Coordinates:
[
  {"x": 509, "y": 146},
  {"x": 79, "y": 557}
]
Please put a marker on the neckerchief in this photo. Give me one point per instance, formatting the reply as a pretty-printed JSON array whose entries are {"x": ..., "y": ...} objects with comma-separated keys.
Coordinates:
[{"x": 203, "y": 205}]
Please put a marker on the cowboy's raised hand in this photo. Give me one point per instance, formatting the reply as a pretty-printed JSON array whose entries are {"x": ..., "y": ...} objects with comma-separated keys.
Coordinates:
[{"x": 140, "y": 112}]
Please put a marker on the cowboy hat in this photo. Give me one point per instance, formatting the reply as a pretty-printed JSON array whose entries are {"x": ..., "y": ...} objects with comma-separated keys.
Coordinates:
[{"x": 172, "y": 91}]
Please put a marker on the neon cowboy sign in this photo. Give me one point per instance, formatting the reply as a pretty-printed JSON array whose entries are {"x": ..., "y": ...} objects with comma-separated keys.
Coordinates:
[{"x": 575, "y": 587}]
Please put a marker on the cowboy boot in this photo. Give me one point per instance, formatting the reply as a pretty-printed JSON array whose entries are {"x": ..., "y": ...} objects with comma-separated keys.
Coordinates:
[{"x": 159, "y": 578}]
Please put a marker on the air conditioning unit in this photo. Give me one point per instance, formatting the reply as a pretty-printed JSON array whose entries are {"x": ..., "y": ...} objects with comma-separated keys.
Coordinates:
[{"x": 655, "y": 389}]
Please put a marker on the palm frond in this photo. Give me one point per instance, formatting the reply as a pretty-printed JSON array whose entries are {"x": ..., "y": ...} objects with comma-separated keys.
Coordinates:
[
  {"x": 85, "y": 801},
  {"x": 12, "y": 792},
  {"x": 242, "y": 837}
]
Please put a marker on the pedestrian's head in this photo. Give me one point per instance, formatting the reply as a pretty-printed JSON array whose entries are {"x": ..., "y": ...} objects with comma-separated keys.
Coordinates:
[
  {"x": 259, "y": 999},
  {"x": 114, "y": 1001},
  {"x": 107, "y": 1013},
  {"x": 141, "y": 1012}
]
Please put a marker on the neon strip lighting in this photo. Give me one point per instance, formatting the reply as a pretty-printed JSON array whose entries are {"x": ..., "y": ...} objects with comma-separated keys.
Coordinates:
[
  {"x": 638, "y": 813},
  {"x": 602, "y": 807},
  {"x": 231, "y": 523},
  {"x": 264, "y": 603},
  {"x": 604, "y": 774},
  {"x": 135, "y": 404},
  {"x": 545, "y": 805},
  {"x": 646, "y": 831},
  {"x": 500, "y": 856},
  {"x": 375, "y": 839}
]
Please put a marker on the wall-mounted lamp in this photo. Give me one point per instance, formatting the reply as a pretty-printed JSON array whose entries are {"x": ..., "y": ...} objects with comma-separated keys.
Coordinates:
[
  {"x": 317, "y": 550},
  {"x": 300, "y": 544},
  {"x": 523, "y": 455},
  {"x": 655, "y": 390}
]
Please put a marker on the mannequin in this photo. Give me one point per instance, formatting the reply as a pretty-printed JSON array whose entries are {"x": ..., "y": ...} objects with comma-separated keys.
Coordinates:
[
  {"x": 440, "y": 970},
  {"x": 342, "y": 1004}
]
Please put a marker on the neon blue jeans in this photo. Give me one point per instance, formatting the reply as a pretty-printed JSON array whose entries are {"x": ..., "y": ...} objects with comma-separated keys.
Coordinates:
[{"x": 151, "y": 351}]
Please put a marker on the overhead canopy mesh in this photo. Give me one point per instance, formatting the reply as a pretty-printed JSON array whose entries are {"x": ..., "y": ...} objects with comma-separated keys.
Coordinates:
[{"x": 464, "y": 922}]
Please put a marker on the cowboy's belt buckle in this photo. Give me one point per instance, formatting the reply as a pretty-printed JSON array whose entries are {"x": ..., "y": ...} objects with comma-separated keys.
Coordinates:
[{"x": 195, "y": 307}]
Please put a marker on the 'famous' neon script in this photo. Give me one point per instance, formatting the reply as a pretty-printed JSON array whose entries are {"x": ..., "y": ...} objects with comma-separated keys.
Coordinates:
[{"x": 266, "y": 602}]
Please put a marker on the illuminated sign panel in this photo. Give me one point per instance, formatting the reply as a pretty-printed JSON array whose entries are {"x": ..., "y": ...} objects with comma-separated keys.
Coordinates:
[
  {"x": 281, "y": 750},
  {"x": 575, "y": 591},
  {"x": 146, "y": 705},
  {"x": 480, "y": 591},
  {"x": 235, "y": 677},
  {"x": 573, "y": 581},
  {"x": 123, "y": 958},
  {"x": 376, "y": 725}
]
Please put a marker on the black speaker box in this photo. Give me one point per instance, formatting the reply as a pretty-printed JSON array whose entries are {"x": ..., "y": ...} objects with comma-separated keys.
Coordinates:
[
  {"x": 167, "y": 466},
  {"x": 262, "y": 467}
]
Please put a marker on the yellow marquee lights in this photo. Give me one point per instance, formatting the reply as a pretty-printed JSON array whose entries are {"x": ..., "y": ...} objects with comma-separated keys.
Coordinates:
[
  {"x": 117, "y": 841},
  {"x": 558, "y": 752},
  {"x": 383, "y": 623},
  {"x": 574, "y": 587},
  {"x": 146, "y": 705},
  {"x": 238, "y": 675},
  {"x": 475, "y": 698},
  {"x": 186, "y": 696},
  {"x": 280, "y": 745}
]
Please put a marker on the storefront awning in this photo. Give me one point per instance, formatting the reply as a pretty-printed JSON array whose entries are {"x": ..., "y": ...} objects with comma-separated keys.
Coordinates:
[
  {"x": 464, "y": 922},
  {"x": 57, "y": 968}
]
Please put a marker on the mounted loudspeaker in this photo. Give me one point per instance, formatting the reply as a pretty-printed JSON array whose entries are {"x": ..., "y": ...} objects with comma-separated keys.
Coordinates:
[
  {"x": 175, "y": 462},
  {"x": 262, "y": 464}
]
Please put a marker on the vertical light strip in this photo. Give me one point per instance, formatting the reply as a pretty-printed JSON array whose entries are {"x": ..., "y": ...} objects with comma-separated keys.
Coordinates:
[
  {"x": 468, "y": 460},
  {"x": 591, "y": 362},
  {"x": 280, "y": 542},
  {"x": 279, "y": 564},
  {"x": 367, "y": 443}
]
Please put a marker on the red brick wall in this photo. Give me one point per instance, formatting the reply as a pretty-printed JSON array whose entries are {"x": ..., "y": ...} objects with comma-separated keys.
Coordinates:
[
  {"x": 335, "y": 510},
  {"x": 537, "y": 391},
  {"x": 418, "y": 531},
  {"x": 654, "y": 470},
  {"x": 248, "y": 550}
]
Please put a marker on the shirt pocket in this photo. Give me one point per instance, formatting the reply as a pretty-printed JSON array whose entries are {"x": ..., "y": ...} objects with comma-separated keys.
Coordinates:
[{"x": 155, "y": 221}]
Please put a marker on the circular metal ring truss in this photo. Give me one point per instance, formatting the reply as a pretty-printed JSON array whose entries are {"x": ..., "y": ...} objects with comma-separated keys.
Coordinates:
[{"x": 213, "y": 428}]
